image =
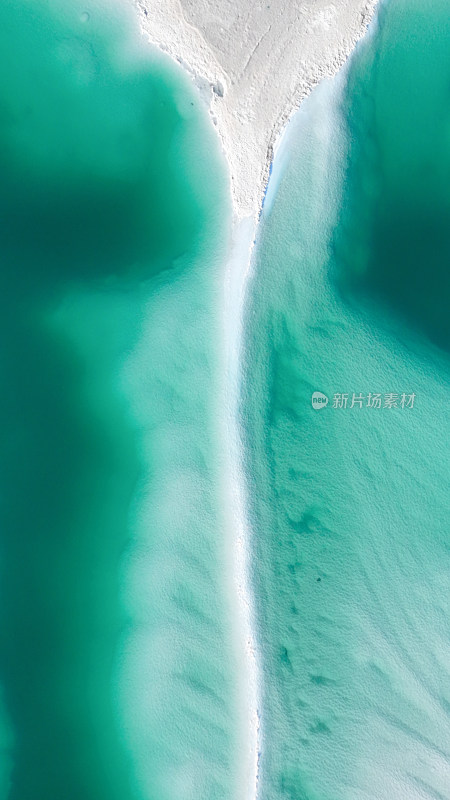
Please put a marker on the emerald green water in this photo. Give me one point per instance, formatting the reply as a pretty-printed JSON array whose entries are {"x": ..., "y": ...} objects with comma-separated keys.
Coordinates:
[
  {"x": 119, "y": 669},
  {"x": 393, "y": 239},
  {"x": 349, "y": 507},
  {"x": 112, "y": 210}
]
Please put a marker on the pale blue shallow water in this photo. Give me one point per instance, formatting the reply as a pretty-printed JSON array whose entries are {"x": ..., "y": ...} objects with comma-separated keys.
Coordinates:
[{"x": 350, "y": 506}]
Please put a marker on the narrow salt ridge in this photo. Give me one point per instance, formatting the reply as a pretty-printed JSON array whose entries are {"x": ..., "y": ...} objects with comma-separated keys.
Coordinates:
[
  {"x": 238, "y": 271},
  {"x": 236, "y": 275}
]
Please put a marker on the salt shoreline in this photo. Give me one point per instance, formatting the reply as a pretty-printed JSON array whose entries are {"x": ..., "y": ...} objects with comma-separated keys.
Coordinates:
[
  {"x": 251, "y": 135},
  {"x": 236, "y": 503},
  {"x": 254, "y": 64}
]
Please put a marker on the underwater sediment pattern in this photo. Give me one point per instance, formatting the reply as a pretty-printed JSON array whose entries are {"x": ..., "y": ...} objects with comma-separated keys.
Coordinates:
[
  {"x": 119, "y": 664},
  {"x": 115, "y": 661},
  {"x": 349, "y": 497}
]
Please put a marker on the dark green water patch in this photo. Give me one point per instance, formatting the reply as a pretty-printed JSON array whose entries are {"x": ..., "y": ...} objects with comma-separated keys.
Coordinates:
[
  {"x": 392, "y": 243},
  {"x": 97, "y": 195},
  {"x": 66, "y": 485},
  {"x": 91, "y": 150}
]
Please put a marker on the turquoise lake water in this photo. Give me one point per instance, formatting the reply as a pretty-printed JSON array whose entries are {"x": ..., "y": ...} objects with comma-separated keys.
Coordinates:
[
  {"x": 115, "y": 659},
  {"x": 119, "y": 672},
  {"x": 350, "y": 506}
]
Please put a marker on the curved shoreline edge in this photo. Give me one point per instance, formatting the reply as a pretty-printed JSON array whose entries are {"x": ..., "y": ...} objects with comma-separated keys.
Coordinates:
[
  {"x": 252, "y": 90},
  {"x": 237, "y": 271},
  {"x": 251, "y": 144}
]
